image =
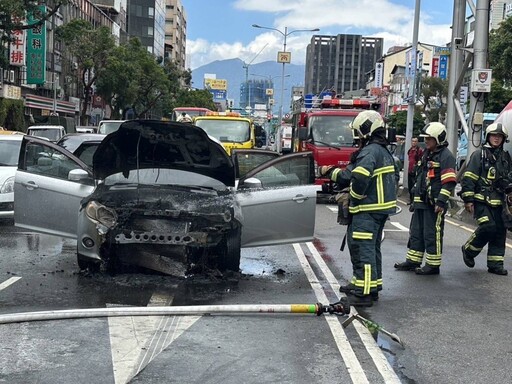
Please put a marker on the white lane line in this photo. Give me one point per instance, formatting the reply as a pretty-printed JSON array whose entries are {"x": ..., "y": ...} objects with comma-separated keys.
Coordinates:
[
  {"x": 382, "y": 364},
  {"x": 354, "y": 368},
  {"x": 8, "y": 282},
  {"x": 468, "y": 229},
  {"x": 332, "y": 208},
  {"x": 399, "y": 226}
]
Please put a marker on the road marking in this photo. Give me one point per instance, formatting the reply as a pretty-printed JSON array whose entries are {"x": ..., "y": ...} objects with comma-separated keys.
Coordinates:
[
  {"x": 135, "y": 341},
  {"x": 471, "y": 230},
  {"x": 401, "y": 227},
  {"x": 354, "y": 368},
  {"x": 8, "y": 282},
  {"x": 332, "y": 208},
  {"x": 382, "y": 364}
]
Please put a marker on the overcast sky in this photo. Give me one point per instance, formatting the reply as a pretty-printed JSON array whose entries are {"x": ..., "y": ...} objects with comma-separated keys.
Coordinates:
[{"x": 222, "y": 29}]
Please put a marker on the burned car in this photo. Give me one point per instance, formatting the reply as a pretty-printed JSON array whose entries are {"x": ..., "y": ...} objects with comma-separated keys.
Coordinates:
[{"x": 165, "y": 196}]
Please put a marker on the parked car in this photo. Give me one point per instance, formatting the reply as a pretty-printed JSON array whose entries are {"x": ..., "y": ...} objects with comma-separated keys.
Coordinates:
[
  {"x": 82, "y": 145},
  {"x": 86, "y": 129},
  {"x": 9, "y": 154},
  {"x": 166, "y": 198},
  {"x": 49, "y": 132},
  {"x": 108, "y": 126}
]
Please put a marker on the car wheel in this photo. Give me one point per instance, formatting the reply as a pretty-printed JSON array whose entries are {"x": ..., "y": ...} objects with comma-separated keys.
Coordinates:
[
  {"x": 229, "y": 251},
  {"x": 85, "y": 263}
]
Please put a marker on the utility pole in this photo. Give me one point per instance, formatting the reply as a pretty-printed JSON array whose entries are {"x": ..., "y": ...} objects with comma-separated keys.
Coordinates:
[
  {"x": 480, "y": 46},
  {"x": 412, "y": 90},
  {"x": 455, "y": 70}
]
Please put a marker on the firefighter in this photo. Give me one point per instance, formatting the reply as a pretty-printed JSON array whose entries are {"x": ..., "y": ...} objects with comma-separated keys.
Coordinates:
[
  {"x": 371, "y": 177},
  {"x": 435, "y": 182},
  {"x": 483, "y": 186}
]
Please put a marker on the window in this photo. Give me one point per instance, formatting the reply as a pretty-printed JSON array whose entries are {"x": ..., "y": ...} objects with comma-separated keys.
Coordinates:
[
  {"x": 150, "y": 31},
  {"x": 46, "y": 161},
  {"x": 151, "y": 12}
]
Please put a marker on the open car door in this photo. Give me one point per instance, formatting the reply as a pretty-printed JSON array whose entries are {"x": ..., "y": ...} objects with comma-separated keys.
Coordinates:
[
  {"x": 278, "y": 201},
  {"x": 50, "y": 183}
]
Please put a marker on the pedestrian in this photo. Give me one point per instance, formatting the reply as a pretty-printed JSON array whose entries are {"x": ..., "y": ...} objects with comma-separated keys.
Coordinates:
[
  {"x": 433, "y": 187},
  {"x": 483, "y": 192},
  {"x": 371, "y": 178},
  {"x": 414, "y": 155}
]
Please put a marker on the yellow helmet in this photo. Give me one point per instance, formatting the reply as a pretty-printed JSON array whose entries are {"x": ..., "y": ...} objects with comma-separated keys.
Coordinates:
[
  {"x": 367, "y": 122},
  {"x": 435, "y": 130},
  {"x": 497, "y": 129}
]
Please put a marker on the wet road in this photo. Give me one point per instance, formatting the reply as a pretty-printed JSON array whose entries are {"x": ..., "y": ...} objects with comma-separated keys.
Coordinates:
[{"x": 454, "y": 326}]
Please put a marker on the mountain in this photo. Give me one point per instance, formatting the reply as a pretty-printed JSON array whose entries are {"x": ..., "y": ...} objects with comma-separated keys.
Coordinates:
[{"x": 234, "y": 72}]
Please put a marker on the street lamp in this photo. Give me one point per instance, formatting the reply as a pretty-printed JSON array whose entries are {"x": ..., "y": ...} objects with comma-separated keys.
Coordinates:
[{"x": 284, "y": 58}]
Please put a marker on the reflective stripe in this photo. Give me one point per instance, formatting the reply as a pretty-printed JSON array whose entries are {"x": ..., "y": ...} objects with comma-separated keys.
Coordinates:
[
  {"x": 468, "y": 194},
  {"x": 445, "y": 192},
  {"x": 362, "y": 171},
  {"x": 479, "y": 196},
  {"x": 362, "y": 235},
  {"x": 495, "y": 202},
  {"x": 482, "y": 219},
  {"x": 448, "y": 176},
  {"x": 361, "y": 283},
  {"x": 439, "y": 248},
  {"x": 414, "y": 256},
  {"x": 495, "y": 258},
  {"x": 380, "y": 190},
  {"x": 433, "y": 260},
  {"x": 471, "y": 175},
  {"x": 373, "y": 207},
  {"x": 367, "y": 279},
  {"x": 356, "y": 195},
  {"x": 387, "y": 169},
  {"x": 334, "y": 174},
  {"x": 417, "y": 199}
]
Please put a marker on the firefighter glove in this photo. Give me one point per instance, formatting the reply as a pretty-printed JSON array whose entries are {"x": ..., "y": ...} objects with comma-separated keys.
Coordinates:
[{"x": 325, "y": 170}]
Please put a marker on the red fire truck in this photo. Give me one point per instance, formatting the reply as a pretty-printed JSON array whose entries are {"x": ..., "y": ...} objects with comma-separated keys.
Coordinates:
[{"x": 325, "y": 130}]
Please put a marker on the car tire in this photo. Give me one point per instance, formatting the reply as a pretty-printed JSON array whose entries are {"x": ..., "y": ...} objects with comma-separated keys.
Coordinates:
[
  {"x": 85, "y": 263},
  {"x": 229, "y": 251}
]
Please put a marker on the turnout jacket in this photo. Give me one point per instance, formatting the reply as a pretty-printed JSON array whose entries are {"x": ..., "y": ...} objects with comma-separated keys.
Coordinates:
[
  {"x": 372, "y": 179},
  {"x": 436, "y": 178},
  {"x": 486, "y": 176}
]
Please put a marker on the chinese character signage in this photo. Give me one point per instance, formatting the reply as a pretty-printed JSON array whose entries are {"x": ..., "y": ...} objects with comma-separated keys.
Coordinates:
[
  {"x": 284, "y": 57},
  {"x": 17, "y": 45},
  {"x": 219, "y": 84},
  {"x": 443, "y": 66},
  {"x": 435, "y": 67},
  {"x": 379, "y": 74},
  {"x": 36, "y": 49}
]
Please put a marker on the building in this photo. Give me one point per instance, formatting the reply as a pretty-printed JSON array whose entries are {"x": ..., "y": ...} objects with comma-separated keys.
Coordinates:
[
  {"x": 175, "y": 33},
  {"x": 146, "y": 21},
  {"x": 499, "y": 10},
  {"x": 340, "y": 63},
  {"x": 256, "y": 92}
]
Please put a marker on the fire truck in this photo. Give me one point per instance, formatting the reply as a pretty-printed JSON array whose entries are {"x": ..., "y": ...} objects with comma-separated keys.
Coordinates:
[{"x": 324, "y": 129}]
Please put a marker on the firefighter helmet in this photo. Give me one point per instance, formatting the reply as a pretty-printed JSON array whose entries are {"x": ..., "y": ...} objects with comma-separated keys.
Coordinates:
[
  {"x": 367, "y": 122},
  {"x": 435, "y": 130},
  {"x": 497, "y": 129}
]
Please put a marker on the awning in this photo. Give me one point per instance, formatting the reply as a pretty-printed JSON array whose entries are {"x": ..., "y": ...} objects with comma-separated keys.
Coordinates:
[{"x": 40, "y": 102}]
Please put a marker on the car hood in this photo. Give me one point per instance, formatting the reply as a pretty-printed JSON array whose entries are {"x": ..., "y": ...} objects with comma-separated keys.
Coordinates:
[{"x": 140, "y": 144}]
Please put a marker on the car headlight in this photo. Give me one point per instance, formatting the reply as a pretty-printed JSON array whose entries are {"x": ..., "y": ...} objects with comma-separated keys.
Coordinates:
[
  {"x": 8, "y": 186},
  {"x": 101, "y": 214}
]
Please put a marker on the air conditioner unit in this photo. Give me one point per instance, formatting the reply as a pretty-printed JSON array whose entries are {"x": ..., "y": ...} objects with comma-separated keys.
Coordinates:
[
  {"x": 11, "y": 76},
  {"x": 5, "y": 75}
]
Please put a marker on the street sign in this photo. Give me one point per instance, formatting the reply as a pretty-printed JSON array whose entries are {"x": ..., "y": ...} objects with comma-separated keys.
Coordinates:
[
  {"x": 269, "y": 91},
  {"x": 284, "y": 57}
]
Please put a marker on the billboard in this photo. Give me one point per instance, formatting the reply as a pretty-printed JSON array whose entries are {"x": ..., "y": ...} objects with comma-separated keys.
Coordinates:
[
  {"x": 443, "y": 66},
  {"x": 218, "y": 84},
  {"x": 36, "y": 49}
]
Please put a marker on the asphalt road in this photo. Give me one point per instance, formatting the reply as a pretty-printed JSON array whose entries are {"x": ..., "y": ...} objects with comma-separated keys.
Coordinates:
[{"x": 454, "y": 326}]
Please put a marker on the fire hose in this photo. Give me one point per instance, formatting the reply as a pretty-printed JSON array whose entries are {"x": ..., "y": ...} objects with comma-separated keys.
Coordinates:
[{"x": 340, "y": 308}]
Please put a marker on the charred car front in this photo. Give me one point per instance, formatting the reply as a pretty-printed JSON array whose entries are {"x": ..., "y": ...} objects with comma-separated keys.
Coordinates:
[{"x": 164, "y": 196}]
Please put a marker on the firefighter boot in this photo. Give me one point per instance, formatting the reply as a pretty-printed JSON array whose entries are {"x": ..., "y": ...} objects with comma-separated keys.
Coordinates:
[
  {"x": 407, "y": 265},
  {"x": 427, "y": 270},
  {"x": 498, "y": 271},
  {"x": 468, "y": 260},
  {"x": 359, "y": 300},
  {"x": 350, "y": 288}
]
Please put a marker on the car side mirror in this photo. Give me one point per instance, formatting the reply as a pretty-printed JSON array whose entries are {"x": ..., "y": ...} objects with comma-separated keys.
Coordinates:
[
  {"x": 251, "y": 183},
  {"x": 78, "y": 175},
  {"x": 303, "y": 133}
]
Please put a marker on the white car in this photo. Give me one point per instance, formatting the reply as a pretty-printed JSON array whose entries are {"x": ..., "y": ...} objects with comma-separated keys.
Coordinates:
[
  {"x": 164, "y": 196},
  {"x": 49, "y": 132},
  {"x": 9, "y": 154},
  {"x": 108, "y": 126}
]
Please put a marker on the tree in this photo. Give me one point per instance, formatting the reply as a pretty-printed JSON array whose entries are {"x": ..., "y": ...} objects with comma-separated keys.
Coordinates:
[
  {"x": 133, "y": 79},
  {"x": 500, "y": 52},
  {"x": 398, "y": 120},
  {"x": 433, "y": 91},
  {"x": 498, "y": 98},
  {"x": 12, "y": 13},
  {"x": 90, "y": 48}
]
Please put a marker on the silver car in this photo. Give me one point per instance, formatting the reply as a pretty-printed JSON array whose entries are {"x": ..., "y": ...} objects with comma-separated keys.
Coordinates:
[
  {"x": 164, "y": 196},
  {"x": 9, "y": 154}
]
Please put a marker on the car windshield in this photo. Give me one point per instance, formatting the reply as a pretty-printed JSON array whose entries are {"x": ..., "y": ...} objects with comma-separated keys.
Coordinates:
[
  {"x": 226, "y": 131},
  {"x": 191, "y": 112},
  {"x": 331, "y": 130},
  {"x": 9, "y": 152},
  {"x": 51, "y": 134},
  {"x": 107, "y": 127}
]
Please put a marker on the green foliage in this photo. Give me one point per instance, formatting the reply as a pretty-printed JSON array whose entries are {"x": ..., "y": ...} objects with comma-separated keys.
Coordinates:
[
  {"x": 434, "y": 91},
  {"x": 132, "y": 78},
  {"x": 500, "y": 52},
  {"x": 498, "y": 98},
  {"x": 11, "y": 115},
  {"x": 398, "y": 120}
]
